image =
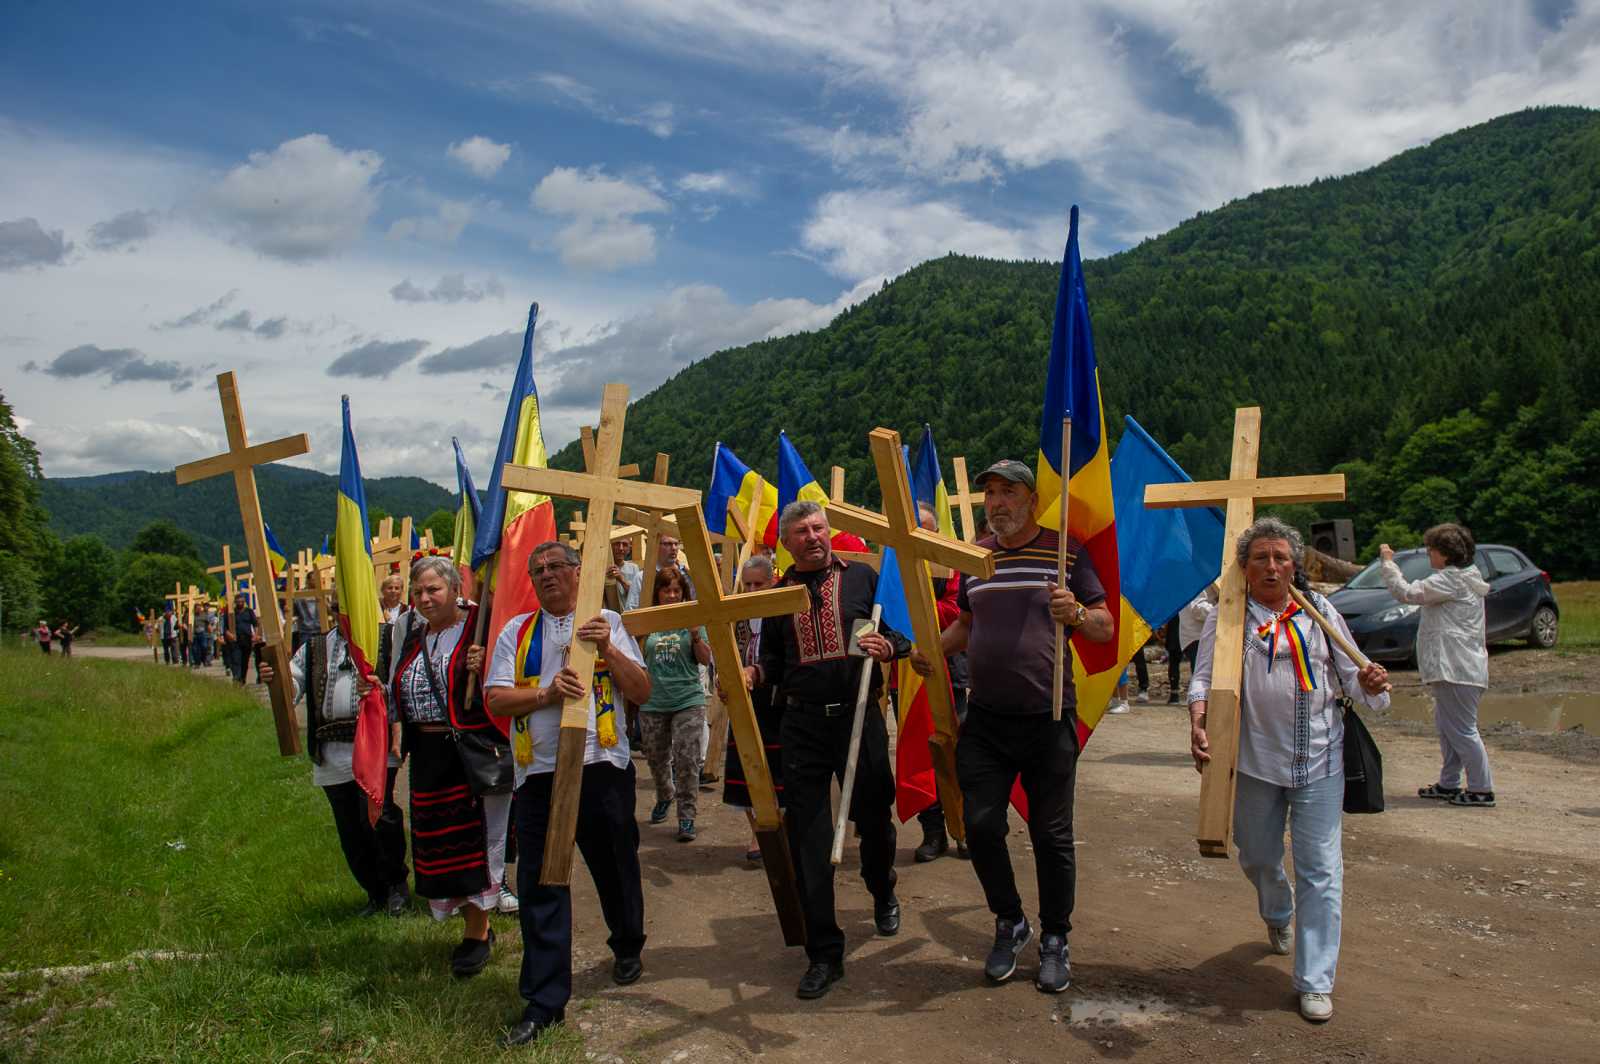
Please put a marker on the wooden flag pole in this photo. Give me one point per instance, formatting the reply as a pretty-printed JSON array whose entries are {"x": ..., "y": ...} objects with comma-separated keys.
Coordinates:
[
  {"x": 481, "y": 629},
  {"x": 241, "y": 459},
  {"x": 848, "y": 787},
  {"x": 1351, "y": 651},
  {"x": 1059, "y": 681}
]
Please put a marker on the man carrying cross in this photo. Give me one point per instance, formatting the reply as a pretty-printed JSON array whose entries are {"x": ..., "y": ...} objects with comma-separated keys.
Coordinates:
[
  {"x": 528, "y": 680},
  {"x": 806, "y": 658},
  {"x": 1007, "y": 625}
]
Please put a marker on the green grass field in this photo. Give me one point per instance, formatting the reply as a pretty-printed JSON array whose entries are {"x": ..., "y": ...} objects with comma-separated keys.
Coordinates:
[
  {"x": 1580, "y": 614},
  {"x": 147, "y": 809}
]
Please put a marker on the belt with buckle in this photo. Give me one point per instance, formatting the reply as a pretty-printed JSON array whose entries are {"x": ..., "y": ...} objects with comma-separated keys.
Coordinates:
[{"x": 825, "y": 709}]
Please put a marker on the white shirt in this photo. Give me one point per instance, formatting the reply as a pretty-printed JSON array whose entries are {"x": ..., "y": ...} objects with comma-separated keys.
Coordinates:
[
  {"x": 339, "y": 702},
  {"x": 544, "y": 725},
  {"x": 1287, "y": 737},
  {"x": 392, "y": 613},
  {"x": 1450, "y": 635},
  {"x": 1192, "y": 620},
  {"x": 437, "y": 647}
]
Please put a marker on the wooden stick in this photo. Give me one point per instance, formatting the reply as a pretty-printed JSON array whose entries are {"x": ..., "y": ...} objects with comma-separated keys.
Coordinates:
[
  {"x": 1350, "y": 649},
  {"x": 847, "y": 789},
  {"x": 1058, "y": 692},
  {"x": 485, "y": 604}
]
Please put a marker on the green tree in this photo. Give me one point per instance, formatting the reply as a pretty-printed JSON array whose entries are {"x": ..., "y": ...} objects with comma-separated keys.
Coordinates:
[
  {"x": 1428, "y": 502},
  {"x": 25, "y": 538},
  {"x": 375, "y": 517},
  {"x": 164, "y": 537},
  {"x": 1394, "y": 533},
  {"x": 146, "y": 582},
  {"x": 442, "y": 523},
  {"x": 79, "y": 581}
]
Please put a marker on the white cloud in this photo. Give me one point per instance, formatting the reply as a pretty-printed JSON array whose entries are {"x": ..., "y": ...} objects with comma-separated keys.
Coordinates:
[
  {"x": 376, "y": 358},
  {"x": 881, "y": 233},
  {"x": 602, "y": 232},
  {"x": 68, "y": 450},
  {"x": 126, "y": 230},
  {"x": 443, "y": 227},
  {"x": 25, "y": 243},
  {"x": 658, "y": 118},
  {"x": 306, "y": 199},
  {"x": 119, "y": 365},
  {"x": 480, "y": 155},
  {"x": 451, "y": 288}
]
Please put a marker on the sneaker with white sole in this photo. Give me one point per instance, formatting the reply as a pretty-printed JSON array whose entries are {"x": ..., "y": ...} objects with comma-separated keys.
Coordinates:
[
  {"x": 1117, "y": 707},
  {"x": 1318, "y": 1008},
  {"x": 1281, "y": 939},
  {"x": 1009, "y": 938},
  {"x": 508, "y": 900},
  {"x": 1144, "y": 696}
]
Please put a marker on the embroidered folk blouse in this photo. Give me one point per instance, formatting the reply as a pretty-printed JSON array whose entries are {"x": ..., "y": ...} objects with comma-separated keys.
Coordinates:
[
  {"x": 806, "y": 655},
  {"x": 1288, "y": 737}
]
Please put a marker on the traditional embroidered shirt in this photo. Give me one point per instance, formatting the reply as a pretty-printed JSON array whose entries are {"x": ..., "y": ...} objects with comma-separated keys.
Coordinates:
[
  {"x": 1289, "y": 736},
  {"x": 532, "y": 648},
  {"x": 339, "y": 704},
  {"x": 805, "y": 656},
  {"x": 418, "y": 703}
]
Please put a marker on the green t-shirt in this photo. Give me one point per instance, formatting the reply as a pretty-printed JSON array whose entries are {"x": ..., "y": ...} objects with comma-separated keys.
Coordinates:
[{"x": 674, "y": 673}]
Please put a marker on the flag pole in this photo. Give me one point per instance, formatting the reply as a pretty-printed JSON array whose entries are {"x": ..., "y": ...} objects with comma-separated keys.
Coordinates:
[
  {"x": 485, "y": 604},
  {"x": 848, "y": 786},
  {"x": 1058, "y": 690}
]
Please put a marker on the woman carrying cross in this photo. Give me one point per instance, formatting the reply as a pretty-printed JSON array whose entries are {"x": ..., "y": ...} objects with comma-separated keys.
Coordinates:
[{"x": 1291, "y": 754}]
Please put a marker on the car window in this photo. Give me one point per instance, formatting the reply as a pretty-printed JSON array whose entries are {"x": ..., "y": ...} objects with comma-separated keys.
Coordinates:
[
  {"x": 1413, "y": 566},
  {"x": 1505, "y": 563},
  {"x": 1481, "y": 560}
]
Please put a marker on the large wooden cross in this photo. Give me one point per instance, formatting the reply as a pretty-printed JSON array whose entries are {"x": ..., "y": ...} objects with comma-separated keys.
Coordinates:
[
  {"x": 226, "y": 569},
  {"x": 602, "y": 489},
  {"x": 388, "y": 550},
  {"x": 1239, "y": 493},
  {"x": 963, "y": 500},
  {"x": 915, "y": 547},
  {"x": 719, "y": 612},
  {"x": 241, "y": 460}
]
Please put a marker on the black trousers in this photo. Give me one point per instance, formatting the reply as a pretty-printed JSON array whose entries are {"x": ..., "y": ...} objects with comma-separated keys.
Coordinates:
[
  {"x": 994, "y": 750},
  {"x": 376, "y": 854},
  {"x": 1175, "y": 656},
  {"x": 933, "y": 816},
  {"x": 1141, "y": 669},
  {"x": 608, "y": 839},
  {"x": 815, "y": 748},
  {"x": 169, "y": 650}
]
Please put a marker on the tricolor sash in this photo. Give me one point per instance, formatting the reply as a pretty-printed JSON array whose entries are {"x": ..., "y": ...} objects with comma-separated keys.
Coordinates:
[
  {"x": 1295, "y": 640},
  {"x": 525, "y": 673}
]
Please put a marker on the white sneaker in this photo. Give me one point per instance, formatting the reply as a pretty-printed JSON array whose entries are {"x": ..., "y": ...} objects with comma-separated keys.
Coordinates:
[
  {"x": 1144, "y": 696},
  {"x": 508, "y": 900},
  {"x": 1318, "y": 1008},
  {"x": 1281, "y": 939},
  {"x": 1117, "y": 707}
]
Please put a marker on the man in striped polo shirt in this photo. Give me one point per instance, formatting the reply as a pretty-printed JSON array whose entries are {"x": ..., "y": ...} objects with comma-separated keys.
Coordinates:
[{"x": 1007, "y": 626}]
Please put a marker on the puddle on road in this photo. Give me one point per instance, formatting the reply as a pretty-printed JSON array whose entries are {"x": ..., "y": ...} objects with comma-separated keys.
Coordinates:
[
  {"x": 1119, "y": 1011},
  {"x": 1549, "y": 712}
]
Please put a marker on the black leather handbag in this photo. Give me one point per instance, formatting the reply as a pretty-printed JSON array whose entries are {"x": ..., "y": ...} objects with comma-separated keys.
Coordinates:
[
  {"x": 1363, "y": 764},
  {"x": 485, "y": 757}
]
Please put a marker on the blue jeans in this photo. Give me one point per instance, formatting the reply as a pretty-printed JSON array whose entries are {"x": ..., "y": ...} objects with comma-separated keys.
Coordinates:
[{"x": 1315, "y": 815}]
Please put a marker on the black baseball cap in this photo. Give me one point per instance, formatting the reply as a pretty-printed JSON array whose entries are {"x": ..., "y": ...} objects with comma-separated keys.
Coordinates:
[{"x": 1008, "y": 469}]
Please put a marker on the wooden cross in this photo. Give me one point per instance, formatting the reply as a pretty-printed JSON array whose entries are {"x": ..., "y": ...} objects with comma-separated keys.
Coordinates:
[
  {"x": 390, "y": 550},
  {"x": 586, "y": 434},
  {"x": 963, "y": 501},
  {"x": 652, "y": 543},
  {"x": 226, "y": 569},
  {"x": 241, "y": 460},
  {"x": 602, "y": 489},
  {"x": 719, "y": 612},
  {"x": 836, "y": 485},
  {"x": 1239, "y": 493},
  {"x": 915, "y": 547}
]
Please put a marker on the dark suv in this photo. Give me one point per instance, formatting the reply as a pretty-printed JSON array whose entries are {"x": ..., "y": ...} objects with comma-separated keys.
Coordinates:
[{"x": 1521, "y": 604}]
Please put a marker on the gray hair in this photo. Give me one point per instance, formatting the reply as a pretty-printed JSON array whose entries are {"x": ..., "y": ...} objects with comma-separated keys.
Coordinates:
[
  {"x": 572, "y": 557},
  {"x": 1272, "y": 528},
  {"x": 443, "y": 568},
  {"x": 759, "y": 562},
  {"x": 798, "y": 510}
]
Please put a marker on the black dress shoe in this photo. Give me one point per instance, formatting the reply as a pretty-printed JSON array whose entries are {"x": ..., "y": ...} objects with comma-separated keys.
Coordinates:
[
  {"x": 526, "y": 1031},
  {"x": 626, "y": 970},
  {"x": 372, "y": 908},
  {"x": 887, "y": 916},
  {"x": 818, "y": 978},
  {"x": 472, "y": 955},
  {"x": 399, "y": 900}
]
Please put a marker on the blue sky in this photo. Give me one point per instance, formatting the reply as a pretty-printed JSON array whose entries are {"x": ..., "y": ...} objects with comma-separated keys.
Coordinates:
[{"x": 363, "y": 197}]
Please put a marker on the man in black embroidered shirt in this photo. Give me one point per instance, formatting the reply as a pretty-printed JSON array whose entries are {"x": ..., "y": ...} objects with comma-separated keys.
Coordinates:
[{"x": 807, "y": 660}]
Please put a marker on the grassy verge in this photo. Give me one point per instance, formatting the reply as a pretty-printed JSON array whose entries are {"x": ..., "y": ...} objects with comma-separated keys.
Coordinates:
[
  {"x": 147, "y": 809},
  {"x": 1580, "y": 614},
  {"x": 111, "y": 637}
]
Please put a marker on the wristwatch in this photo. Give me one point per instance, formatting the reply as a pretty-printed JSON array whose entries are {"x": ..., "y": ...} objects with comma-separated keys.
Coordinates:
[{"x": 1079, "y": 617}]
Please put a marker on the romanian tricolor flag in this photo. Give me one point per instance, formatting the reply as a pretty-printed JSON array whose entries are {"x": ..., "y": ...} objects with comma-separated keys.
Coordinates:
[
  {"x": 734, "y": 484},
  {"x": 280, "y": 562},
  {"x": 467, "y": 514},
  {"x": 514, "y": 522},
  {"x": 1072, "y": 386},
  {"x": 359, "y": 618},
  {"x": 927, "y": 484}
]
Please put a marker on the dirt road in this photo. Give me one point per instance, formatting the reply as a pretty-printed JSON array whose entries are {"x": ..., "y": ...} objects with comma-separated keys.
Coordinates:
[{"x": 1468, "y": 935}]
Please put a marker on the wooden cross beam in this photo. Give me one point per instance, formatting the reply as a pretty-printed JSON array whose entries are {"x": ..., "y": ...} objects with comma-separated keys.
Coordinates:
[
  {"x": 1239, "y": 493},
  {"x": 652, "y": 544},
  {"x": 226, "y": 569},
  {"x": 836, "y": 485},
  {"x": 963, "y": 500},
  {"x": 586, "y": 434},
  {"x": 241, "y": 460},
  {"x": 747, "y": 545},
  {"x": 916, "y": 547},
  {"x": 389, "y": 550},
  {"x": 601, "y": 489},
  {"x": 719, "y": 613}
]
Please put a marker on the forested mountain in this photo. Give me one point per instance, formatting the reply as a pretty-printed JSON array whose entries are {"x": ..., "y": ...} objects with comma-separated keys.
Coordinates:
[
  {"x": 1426, "y": 325},
  {"x": 297, "y": 503}
]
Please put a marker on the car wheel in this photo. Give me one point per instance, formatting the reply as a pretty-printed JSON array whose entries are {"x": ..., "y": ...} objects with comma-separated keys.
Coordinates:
[{"x": 1544, "y": 628}]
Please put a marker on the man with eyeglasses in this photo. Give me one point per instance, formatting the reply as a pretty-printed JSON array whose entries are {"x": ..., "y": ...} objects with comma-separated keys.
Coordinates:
[{"x": 528, "y": 680}]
